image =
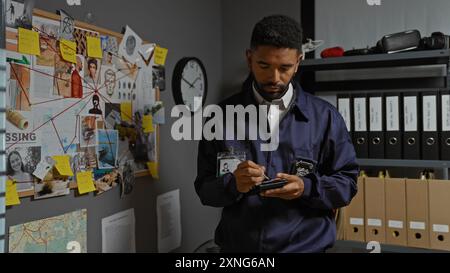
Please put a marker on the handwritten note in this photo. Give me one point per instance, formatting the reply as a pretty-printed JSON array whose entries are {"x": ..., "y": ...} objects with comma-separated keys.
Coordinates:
[
  {"x": 125, "y": 111},
  {"x": 147, "y": 124},
  {"x": 68, "y": 50},
  {"x": 160, "y": 55},
  {"x": 29, "y": 42},
  {"x": 63, "y": 165},
  {"x": 12, "y": 197},
  {"x": 94, "y": 47},
  {"x": 85, "y": 182},
  {"x": 153, "y": 169}
]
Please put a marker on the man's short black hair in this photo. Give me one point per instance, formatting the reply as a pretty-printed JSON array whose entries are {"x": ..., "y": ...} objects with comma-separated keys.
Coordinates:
[{"x": 279, "y": 31}]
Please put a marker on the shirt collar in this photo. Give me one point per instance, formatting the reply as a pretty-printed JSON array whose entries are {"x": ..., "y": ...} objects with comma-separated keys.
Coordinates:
[{"x": 282, "y": 102}]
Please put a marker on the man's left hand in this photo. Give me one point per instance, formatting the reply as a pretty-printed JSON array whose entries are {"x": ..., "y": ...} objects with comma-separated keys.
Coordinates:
[{"x": 292, "y": 190}]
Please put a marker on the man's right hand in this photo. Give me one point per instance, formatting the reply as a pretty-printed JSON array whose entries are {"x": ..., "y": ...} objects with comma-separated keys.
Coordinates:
[{"x": 247, "y": 175}]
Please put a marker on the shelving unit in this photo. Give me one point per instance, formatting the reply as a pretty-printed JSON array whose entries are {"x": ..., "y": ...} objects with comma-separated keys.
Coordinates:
[
  {"x": 436, "y": 164},
  {"x": 415, "y": 71}
]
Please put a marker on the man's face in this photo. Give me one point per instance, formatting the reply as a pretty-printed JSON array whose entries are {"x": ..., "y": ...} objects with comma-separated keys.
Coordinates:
[{"x": 273, "y": 68}]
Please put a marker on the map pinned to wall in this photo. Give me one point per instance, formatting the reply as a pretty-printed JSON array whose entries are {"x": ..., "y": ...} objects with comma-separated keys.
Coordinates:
[{"x": 59, "y": 234}]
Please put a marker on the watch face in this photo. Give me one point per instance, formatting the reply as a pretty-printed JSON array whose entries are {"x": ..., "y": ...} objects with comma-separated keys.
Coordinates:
[{"x": 193, "y": 85}]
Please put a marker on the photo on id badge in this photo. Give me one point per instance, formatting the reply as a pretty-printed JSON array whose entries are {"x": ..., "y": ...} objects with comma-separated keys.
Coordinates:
[{"x": 227, "y": 162}]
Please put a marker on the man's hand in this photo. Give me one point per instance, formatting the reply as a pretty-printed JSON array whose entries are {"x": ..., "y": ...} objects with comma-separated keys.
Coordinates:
[
  {"x": 247, "y": 175},
  {"x": 292, "y": 190}
]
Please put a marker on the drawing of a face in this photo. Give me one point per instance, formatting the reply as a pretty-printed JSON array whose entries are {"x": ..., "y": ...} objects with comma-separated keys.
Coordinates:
[
  {"x": 16, "y": 162},
  {"x": 130, "y": 45}
]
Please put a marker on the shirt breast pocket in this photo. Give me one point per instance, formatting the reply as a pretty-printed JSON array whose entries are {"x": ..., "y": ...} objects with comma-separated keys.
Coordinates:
[{"x": 303, "y": 162}]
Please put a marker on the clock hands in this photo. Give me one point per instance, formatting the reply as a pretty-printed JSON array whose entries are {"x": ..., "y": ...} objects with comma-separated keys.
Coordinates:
[
  {"x": 191, "y": 85},
  {"x": 198, "y": 78}
]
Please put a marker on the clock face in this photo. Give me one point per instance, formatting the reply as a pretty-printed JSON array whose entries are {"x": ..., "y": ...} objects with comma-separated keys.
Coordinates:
[{"x": 193, "y": 85}]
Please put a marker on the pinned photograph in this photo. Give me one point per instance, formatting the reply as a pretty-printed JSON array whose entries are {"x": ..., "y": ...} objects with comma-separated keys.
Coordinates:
[
  {"x": 90, "y": 157},
  {"x": 67, "y": 26},
  {"x": 112, "y": 113},
  {"x": 87, "y": 131},
  {"x": 92, "y": 72},
  {"x": 53, "y": 188},
  {"x": 62, "y": 86},
  {"x": 159, "y": 77},
  {"x": 78, "y": 162},
  {"x": 130, "y": 45},
  {"x": 110, "y": 48},
  {"x": 79, "y": 35},
  {"x": 106, "y": 181},
  {"x": 48, "y": 34},
  {"x": 14, "y": 11},
  {"x": 18, "y": 89},
  {"x": 19, "y": 13},
  {"x": 107, "y": 148},
  {"x": 20, "y": 164}
]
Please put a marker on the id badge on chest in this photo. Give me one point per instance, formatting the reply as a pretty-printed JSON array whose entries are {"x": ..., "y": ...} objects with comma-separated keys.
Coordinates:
[{"x": 227, "y": 162}]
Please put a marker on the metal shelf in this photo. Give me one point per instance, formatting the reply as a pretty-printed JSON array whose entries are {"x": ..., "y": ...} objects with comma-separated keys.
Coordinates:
[
  {"x": 404, "y": 163},
  {"x": 438, "y": 164},
  {"x": 378, "y": 60}
]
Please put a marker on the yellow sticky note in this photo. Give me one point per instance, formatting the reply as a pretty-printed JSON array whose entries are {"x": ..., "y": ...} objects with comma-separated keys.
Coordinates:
[
  {"x": 85, "y": 182},
  {"x": 94, "y": 47},
  {"x": 68, "y": 50},
  {"x": 29, "y": 42},
  {"x": 63, "y": 165},
  {"x": 125, "y": 111},
  {"x": 153, "y": 169},
  {"x": 160, "y": 55},
  {"x": 12, "y": 197},
  {"x": 147, "y": 124}
]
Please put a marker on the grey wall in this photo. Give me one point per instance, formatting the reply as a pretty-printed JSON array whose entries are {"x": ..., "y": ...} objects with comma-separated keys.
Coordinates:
[
  {"x": 353, "y": 23},
  {"x": 239, "y": 17},
  {"x": 187, "y": 28}
]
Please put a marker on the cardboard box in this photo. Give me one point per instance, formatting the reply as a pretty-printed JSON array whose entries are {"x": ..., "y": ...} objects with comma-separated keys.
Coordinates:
[
  {"x": 354, "y": 215},
  {"x": 395, "y": 193},
  {"x": 374, "y": 209},
  {"x": 417, "y": 213},
  {"x": 439, "y": 200}
]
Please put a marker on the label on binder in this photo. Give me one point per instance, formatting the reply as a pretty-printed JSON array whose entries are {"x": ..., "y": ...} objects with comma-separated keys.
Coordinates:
[
  {"x": 376, "y": 114},
  {"x": 359, "y": 105},
  {"x": 357, "y": 221},
  {"x": 417, "y": 225},
  {"x": 410, "y": 114},
  {"x": 429, "y": 114},
  {"x": 395, "y": 224},
  {"x": 374, "y": 222},
  {"x": 440, "y": 228},
  {"x": 392, "y": 114},
  {"x": 344, "y": 110},
  {"x": 445, "y": 112}
]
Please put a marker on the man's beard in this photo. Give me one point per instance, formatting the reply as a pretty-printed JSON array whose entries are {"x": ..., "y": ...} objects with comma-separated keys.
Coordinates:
[{"x": 269, "y": 96}]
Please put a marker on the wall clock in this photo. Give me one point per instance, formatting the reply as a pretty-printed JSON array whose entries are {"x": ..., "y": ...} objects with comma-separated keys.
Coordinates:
[{"x": 189, "y": 83}]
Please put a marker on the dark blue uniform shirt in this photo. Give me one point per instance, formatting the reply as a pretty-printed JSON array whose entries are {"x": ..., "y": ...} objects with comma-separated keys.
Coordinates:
[{"x": 312, "y": 130}]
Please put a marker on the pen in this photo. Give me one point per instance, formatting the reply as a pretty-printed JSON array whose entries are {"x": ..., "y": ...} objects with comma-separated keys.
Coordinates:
[{"x": 265, "y": 176}]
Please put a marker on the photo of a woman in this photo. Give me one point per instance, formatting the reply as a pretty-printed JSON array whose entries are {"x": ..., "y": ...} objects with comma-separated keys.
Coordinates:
[{"x": 16, "y": 170}]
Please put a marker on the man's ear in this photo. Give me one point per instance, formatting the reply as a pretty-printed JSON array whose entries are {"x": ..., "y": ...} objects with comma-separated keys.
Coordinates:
[
  {"x": 248, "y": 54},
  {"x": 299, "y": 58}
]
